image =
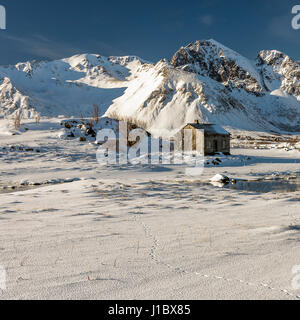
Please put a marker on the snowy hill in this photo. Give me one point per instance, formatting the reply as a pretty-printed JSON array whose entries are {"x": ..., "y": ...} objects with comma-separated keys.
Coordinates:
[
  {"x": 68, "y": 87},
  {"x": 204, "y": 80},
  {"x": 212, "y": 83}
]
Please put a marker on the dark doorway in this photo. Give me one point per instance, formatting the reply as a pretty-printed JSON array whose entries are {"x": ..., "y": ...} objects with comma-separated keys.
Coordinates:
[{"x": 215, "y": 144}]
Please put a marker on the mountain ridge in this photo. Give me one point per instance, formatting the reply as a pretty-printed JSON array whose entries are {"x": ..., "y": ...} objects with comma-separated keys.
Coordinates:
[{"x": 204, "y": 80}]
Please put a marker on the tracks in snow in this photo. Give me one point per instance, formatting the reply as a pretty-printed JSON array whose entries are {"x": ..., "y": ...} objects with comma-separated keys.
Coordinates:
[{"x": 153, "y": 255}]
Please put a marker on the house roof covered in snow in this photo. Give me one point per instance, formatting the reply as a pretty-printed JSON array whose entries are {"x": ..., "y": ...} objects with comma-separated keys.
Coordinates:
[{"x": 209, "y": 128}]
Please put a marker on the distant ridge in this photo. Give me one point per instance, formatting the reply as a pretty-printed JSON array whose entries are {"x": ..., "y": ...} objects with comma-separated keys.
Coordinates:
[{"x": 204, "y": 80}]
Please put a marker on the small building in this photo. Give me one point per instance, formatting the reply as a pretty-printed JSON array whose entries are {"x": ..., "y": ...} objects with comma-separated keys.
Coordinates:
[
  {"x": 124, "y": 133},
  {"x": 207, "y": 139}
]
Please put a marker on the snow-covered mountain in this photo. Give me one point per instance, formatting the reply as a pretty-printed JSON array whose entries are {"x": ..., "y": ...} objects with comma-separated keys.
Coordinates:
[
  {"x": 213, "y": 60},
  {"x": 210, "y": 82},
  {"x": 68, "y": 87},
  {"x": 204, "y": 80}
]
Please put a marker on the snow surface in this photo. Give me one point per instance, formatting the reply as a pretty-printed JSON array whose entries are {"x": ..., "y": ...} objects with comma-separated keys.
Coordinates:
[
  {"x": 73, "y": 228},
  {"x": 141, "y": 231}
]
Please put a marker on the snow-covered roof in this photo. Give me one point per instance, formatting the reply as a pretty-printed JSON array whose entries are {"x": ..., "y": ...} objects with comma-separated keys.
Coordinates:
[{"x": 209, "y": 128}]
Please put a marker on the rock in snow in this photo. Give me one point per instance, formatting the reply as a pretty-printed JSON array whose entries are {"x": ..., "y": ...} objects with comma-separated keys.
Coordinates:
[{"x": 220, "y": 178}]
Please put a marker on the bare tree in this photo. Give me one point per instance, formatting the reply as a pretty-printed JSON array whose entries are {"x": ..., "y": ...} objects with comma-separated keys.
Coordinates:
[{"x": 95, "y": 115}]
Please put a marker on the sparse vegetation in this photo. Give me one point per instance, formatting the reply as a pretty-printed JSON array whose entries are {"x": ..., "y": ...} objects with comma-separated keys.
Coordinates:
[
  {"x": 17, "y": 120},
  {"x": 37, "y": 118},
  {"x": 90, "y": 124},
  {"x": 82, "y": 119},
  {"x": 96, "y": 112}
]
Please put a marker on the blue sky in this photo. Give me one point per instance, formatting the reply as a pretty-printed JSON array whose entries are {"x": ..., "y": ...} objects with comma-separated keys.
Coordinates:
[{"x": 39, "y": 29}]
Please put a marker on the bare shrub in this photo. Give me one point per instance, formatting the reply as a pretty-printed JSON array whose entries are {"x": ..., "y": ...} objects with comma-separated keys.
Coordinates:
[
  {"x": 82, "y": 119},
  {"x": 90, "y": 124},
  {"x": 17, "y": 120},
  {"x": 37, "y": 118},
  {"x": 96, "y": 112}
]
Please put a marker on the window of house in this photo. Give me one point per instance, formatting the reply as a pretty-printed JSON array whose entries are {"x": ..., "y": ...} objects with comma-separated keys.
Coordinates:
[{"x": 225, "y": 144}]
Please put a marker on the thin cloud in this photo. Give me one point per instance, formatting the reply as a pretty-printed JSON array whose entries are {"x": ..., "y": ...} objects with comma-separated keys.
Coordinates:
[
  {"x": 206, "y": 20},
  {"x": 41, "y": 47}
]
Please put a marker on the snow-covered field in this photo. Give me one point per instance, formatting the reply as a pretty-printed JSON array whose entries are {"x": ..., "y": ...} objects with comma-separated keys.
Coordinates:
[{"x": 86, "y": 231}]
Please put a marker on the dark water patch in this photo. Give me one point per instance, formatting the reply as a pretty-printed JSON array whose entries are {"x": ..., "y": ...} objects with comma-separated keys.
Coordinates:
[
  {"x": 266, "y": 186},
  {"x": 294, "y": 228}
]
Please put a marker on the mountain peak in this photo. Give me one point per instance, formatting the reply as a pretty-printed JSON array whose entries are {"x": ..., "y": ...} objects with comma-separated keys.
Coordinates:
[
  {"x": 209, "y": 58},
  {"x": 204, "y": 80},
  {"x": 279, "y": 72}
]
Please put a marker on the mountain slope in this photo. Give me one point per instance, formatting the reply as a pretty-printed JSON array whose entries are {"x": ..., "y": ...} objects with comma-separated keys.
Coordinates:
[
  {"x": 212, "y": 83},
  {"x": 205, "y": 81},
  {"x": 279, "y": 72},
  {"x": 212, "y": 59},
  {"x": 67, "y": 87},
  {"x": 165, "y": 98}
]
